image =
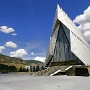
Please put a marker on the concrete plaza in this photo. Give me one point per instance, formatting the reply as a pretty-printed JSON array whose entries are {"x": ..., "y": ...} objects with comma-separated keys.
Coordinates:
[{"x": 24, "y": 82}]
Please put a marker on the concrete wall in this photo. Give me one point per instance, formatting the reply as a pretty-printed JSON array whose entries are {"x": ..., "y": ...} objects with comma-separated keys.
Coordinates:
[
  {"x": 88, "y": 70},
  {"x": 70, "y": 72}
]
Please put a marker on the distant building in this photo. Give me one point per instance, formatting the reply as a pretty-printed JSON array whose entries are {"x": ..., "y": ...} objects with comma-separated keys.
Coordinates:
[
  {"x": 34, "y": 68},
  {"x": 27, "y": 67}
]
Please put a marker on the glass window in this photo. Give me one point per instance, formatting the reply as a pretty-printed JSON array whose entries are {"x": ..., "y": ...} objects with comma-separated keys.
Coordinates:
[{"x": 62, "y": 50}]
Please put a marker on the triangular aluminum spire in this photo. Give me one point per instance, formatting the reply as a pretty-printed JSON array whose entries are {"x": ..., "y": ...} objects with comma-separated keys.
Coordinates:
[
  {"x": 78, "y": 43},
  {"x": 63, "y": 17}
]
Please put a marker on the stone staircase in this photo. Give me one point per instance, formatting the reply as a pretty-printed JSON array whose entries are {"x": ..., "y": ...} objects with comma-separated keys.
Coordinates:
[{"x": 50, "y": 70}]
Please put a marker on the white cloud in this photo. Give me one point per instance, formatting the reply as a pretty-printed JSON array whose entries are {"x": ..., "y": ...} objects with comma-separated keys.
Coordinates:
[
  {"x": 11, "y": 44},
  {"x": 1, "y": 48},
  {"x": 14, "y": 34},
  {"x": 32, "y": 53},
  {"x": 83, "y": 18},
  {"x": 84, "y": 27},
  {"x": 18, "y": 53},
  {"x": 84, "y": 23},
  {"x": 87, "y": 35},
  {"x": 6, "y": 30},
  {"x": 42, "y": 59},
  {"x": 27, "y": 43}
]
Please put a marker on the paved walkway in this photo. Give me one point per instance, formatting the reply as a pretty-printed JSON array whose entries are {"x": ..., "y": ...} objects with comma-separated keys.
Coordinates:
[{"x": 22, "y": 82}]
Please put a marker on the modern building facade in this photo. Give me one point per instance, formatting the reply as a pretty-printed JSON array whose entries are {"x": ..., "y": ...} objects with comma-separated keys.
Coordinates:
[{"x": 67, "y": 44}]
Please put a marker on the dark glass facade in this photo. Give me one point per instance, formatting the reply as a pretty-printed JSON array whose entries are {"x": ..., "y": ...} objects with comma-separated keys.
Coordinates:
[{"x": 62, "y": 51}]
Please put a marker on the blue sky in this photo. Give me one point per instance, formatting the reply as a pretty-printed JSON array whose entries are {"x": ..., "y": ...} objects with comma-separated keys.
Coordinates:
[{"x": 25, "y": 25}]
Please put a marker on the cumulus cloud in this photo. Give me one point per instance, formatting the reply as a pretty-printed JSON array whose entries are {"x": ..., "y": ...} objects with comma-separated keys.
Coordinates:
[
  {"x": 84, "y": 27},
  {"x": 84, "y": 23},
  {"x": 6, "y": 29},
  {"x": 1, "y": 48},
  {"x": 27, "y": 43},
  {"x": 87, "y": 35},
  {"x": 11, "y": 44},
  {"x": 42, "y": 59},
  {"x": 14, "y": 34},
  {"x": 32, "y": 53},
  {"x": 18, "y": 53}
]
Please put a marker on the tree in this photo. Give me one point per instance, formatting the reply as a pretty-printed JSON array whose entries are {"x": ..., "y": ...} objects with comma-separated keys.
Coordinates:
[
  {"x": 12, "y": 68},
  {"x": 27, "y": 70},
  {"x": 20, "y": 69}
]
